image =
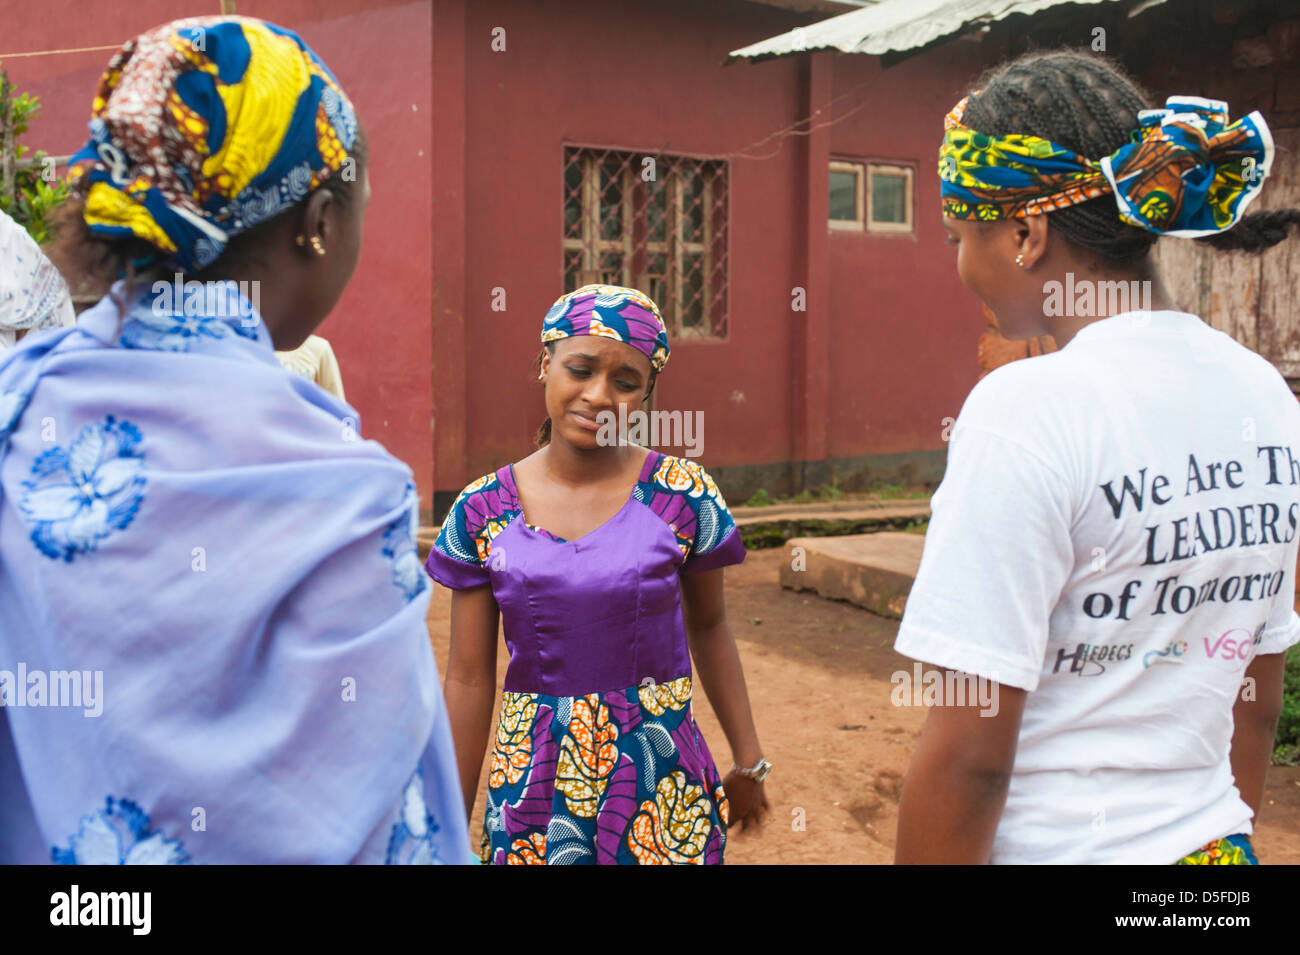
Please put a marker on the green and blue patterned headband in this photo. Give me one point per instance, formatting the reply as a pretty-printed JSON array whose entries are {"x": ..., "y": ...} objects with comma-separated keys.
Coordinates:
[{"x": 1186, "y": 172}]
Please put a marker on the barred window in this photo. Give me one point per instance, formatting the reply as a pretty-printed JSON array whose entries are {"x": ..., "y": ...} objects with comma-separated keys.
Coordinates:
[{"x": 654, "y": 222}]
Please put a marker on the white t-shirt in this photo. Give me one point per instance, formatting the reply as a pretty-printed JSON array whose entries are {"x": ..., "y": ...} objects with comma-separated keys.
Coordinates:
[{"x": 1130, "y": 611}]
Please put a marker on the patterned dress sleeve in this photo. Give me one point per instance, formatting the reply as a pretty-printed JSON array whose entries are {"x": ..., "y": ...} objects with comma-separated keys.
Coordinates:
[
  {"x": 704, "y": 526},
  {"x": 459, "y": 558}
]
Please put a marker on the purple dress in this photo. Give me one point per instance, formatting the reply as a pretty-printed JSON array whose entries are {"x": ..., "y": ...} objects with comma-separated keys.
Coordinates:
[{"x": 598, "y": 759}]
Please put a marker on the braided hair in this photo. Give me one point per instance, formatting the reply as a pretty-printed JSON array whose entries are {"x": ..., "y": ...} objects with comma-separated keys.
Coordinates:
[
  {"x": 1088, "y": 104},
  {"x": 543, "y": 437}
]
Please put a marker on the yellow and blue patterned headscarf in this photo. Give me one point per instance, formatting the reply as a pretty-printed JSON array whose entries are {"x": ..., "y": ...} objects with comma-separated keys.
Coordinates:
[
  {"x": 205, "y": 127},
  {"x": 1186, "y": 171}
]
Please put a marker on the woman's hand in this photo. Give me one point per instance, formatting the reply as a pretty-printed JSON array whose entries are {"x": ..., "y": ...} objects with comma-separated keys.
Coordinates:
[
  {"x": 746, "y": 802},
  {"x": 717, "y": 664}
]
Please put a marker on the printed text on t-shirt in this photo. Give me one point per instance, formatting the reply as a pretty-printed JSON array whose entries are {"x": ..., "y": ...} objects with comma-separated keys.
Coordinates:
[{"x": 1202, "y": 531}]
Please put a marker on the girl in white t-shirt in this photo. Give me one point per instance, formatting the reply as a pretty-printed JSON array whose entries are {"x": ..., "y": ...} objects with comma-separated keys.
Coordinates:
[{"x": 1112, "y": 551}]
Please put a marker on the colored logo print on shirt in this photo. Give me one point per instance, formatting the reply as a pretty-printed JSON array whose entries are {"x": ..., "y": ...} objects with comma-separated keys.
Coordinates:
[
  {"x": 1091, "y": 659},
  {"x": 1173, "y": 653},
  {"x": 1233, "y": 645}
]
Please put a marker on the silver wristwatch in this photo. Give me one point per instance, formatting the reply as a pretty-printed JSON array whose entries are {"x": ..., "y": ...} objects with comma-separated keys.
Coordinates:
[{"x": 757, "y": 773}]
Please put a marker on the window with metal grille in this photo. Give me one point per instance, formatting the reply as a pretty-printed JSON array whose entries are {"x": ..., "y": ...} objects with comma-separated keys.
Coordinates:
[{"x": 653, "y": 222}]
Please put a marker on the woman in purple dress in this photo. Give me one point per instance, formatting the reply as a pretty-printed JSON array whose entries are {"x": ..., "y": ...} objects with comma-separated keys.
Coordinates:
[{"x": 607, "y": 589}]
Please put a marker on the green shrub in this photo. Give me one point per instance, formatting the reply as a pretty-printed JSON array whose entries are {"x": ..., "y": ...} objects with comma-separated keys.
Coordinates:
[
  {"x": 829, "y": 492},
  {"x": 1288, "y": 724},
  {"x": 35, "y": 195},
  {"x": 892, "y": 492}
]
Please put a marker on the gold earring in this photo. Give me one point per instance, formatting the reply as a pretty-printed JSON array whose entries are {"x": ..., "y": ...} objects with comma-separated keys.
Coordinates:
[
  {"x": 316, "y": 245},
  {"x": 1020, "y": 260},
  {"x": 301, "y": 240}
]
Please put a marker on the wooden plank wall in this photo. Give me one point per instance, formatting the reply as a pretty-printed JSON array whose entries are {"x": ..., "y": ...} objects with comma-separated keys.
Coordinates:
[{"x": 1254, "y": 298}]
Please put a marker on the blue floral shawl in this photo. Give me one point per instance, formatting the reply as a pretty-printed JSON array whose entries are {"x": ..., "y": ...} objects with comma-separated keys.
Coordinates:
[{"x": 213, "y": 645}]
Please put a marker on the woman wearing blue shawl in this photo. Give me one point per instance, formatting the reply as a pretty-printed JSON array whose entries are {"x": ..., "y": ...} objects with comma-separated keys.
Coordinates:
[{"x": 213, "y": 645}]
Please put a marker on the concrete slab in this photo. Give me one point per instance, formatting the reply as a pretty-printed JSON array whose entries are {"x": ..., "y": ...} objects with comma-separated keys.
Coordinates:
[
  {"x": 917, "y": 509},
  {"x": 765, "y": 527},
  {"x": 874, "y": 571}
]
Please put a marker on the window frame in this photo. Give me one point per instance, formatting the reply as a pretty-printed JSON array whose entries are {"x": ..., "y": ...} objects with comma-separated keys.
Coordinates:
[
  {"x": 864, "y": 170},
  {"x": 859, "y": 170},
  {"x": 908, "y": 226},
  {"x": 674, "y": 246}
]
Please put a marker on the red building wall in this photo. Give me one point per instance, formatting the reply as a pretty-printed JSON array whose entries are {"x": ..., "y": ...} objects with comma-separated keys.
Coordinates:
[
  {"x": 887, "y": 346},
  {"x": 648, "y": 79},
  {"x": 381, "y": 54},
  {"x": 466, "y": 170},
  {"x": 905, "y": 329}
]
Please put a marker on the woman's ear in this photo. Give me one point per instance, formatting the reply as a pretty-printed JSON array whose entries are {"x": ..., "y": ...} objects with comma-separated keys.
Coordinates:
[
  {"x": 314, "y": 222},
  {"x": 1032, "y": 235}
]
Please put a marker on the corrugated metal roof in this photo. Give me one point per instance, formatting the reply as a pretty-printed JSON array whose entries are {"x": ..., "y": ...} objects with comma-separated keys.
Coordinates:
[
  {"x": 897, "y": 25},
  {"x": 817, "y": 6}
]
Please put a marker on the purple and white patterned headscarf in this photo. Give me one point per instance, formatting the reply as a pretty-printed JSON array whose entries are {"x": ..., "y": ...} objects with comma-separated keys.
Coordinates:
[{"x": 610, "y": 311}]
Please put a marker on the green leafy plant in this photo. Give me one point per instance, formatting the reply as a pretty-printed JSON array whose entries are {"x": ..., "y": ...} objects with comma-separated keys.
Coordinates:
[
  {"x": 36, "y": 191},
  {"x": 759, "y": 498},
  {"x": 891, "y": 492},
  {"x": 1287, "y": 740},
  {"x": 829, "y": 492}
]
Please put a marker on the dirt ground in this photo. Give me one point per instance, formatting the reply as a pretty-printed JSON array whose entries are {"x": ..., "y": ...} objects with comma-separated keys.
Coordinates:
[{"x": 818, "y": 676}]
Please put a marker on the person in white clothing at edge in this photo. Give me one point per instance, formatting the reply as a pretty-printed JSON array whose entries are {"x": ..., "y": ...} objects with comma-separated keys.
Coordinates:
[
  {"x": 33, "y": 294},
  {"x": 1113, "y": 546},
  {"x": 314, "y": 360}
]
